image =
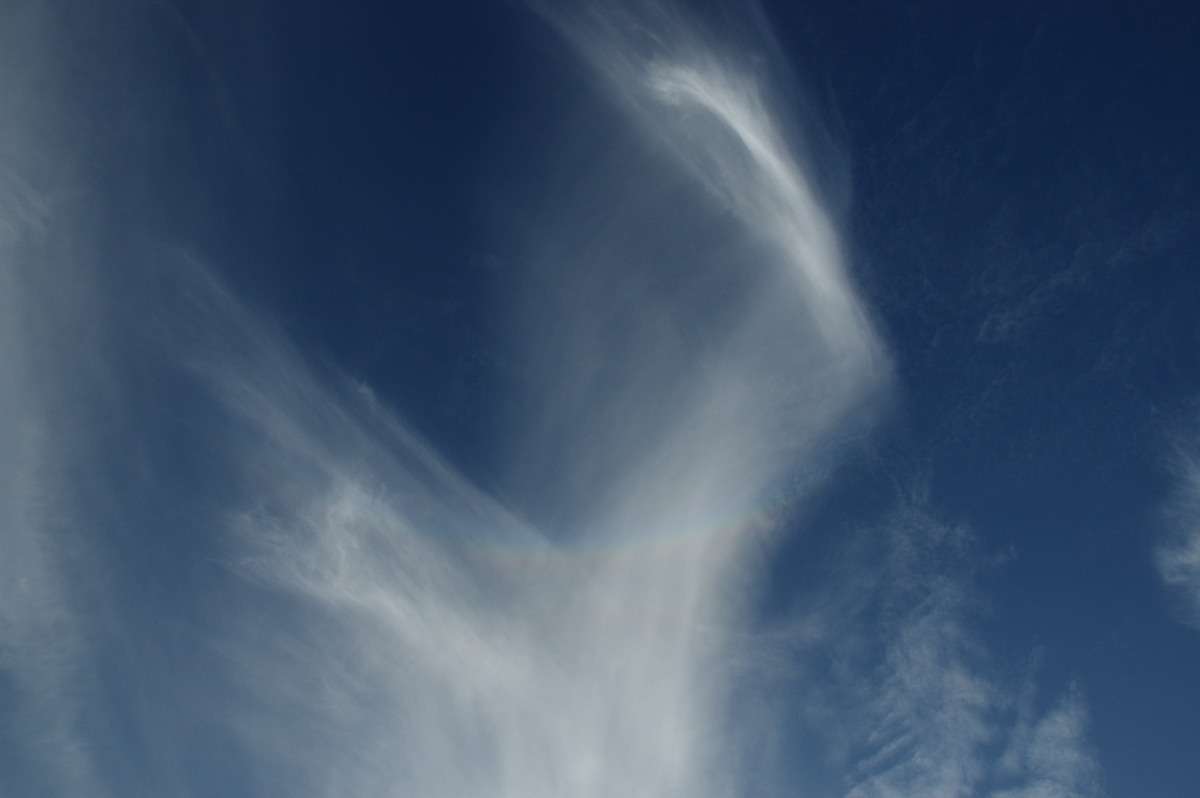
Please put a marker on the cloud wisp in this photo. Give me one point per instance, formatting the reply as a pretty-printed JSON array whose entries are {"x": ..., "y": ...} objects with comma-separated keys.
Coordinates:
[
  {"x": 229, "y": 571},
  {"x": 275, "y": 564},
  {"x": 899, "y": 689},
  {"x": 688, "y": 342},
  {"x": 1178, "y": 557}
]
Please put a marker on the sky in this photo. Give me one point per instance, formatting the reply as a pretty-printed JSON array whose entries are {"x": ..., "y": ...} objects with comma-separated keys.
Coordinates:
[{"x": 611, "y": 398}]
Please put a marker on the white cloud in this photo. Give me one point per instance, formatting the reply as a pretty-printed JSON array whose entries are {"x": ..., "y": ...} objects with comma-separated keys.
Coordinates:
[
  {"x": 393, "y": 629},
  {"x": 1178, "y": 558},
  {"x": 685, "y": 362},
  {"x": 902, "y": 691},
  {"x": 379, "y": 625},
  {"x": 44, "y": 318},
  {"x": 1051, "y": 757}
]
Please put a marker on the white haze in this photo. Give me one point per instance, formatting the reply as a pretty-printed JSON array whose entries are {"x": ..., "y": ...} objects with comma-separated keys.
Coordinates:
[{"x": 363, "y": 620}]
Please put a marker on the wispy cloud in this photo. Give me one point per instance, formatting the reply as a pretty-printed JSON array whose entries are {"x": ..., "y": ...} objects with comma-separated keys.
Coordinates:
[
  {"x": 688, "y": 351},
  {"x": 1178, "y": 558},
  {"x": 378, "y": 625},
  {"x": 44, "y": 318},
  {"x": 228, "y": 570},
  {"x": 902, "y": 692},
  {"x": 1049, "y": 756}
]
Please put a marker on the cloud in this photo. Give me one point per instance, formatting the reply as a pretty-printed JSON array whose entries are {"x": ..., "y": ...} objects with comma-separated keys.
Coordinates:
[
  {"x": 256, "y": 579},
  {"x": 686, "y": 352},
  {"x": 723, "y": 106},
  {"x": 1050, "y": 756},
  {"x": 235, "y": 571},
  {"x": 1178, "y": 558},
  {"x": 901, "y": 691},
  {"x": 44, "y": 645}
]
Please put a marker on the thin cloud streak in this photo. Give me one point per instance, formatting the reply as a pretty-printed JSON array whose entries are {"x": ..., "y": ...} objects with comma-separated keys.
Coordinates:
[
  {"x": 45, "y": 325},
  {"x": 1178, "y": 557},
  {"x": 715, "y": 103}
]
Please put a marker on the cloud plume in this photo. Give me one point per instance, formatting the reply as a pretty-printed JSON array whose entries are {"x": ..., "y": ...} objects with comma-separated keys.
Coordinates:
[
  {"x": 694, "y": 341},
  {"x": 231, "y": 569}
]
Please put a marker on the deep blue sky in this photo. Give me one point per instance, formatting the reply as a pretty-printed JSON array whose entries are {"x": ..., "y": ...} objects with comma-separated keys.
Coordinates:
[{"x": 1015, "y": 187}]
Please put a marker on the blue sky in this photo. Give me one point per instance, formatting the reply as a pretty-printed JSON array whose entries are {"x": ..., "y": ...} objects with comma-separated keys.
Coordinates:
[{"x": 635, "y": 398}]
